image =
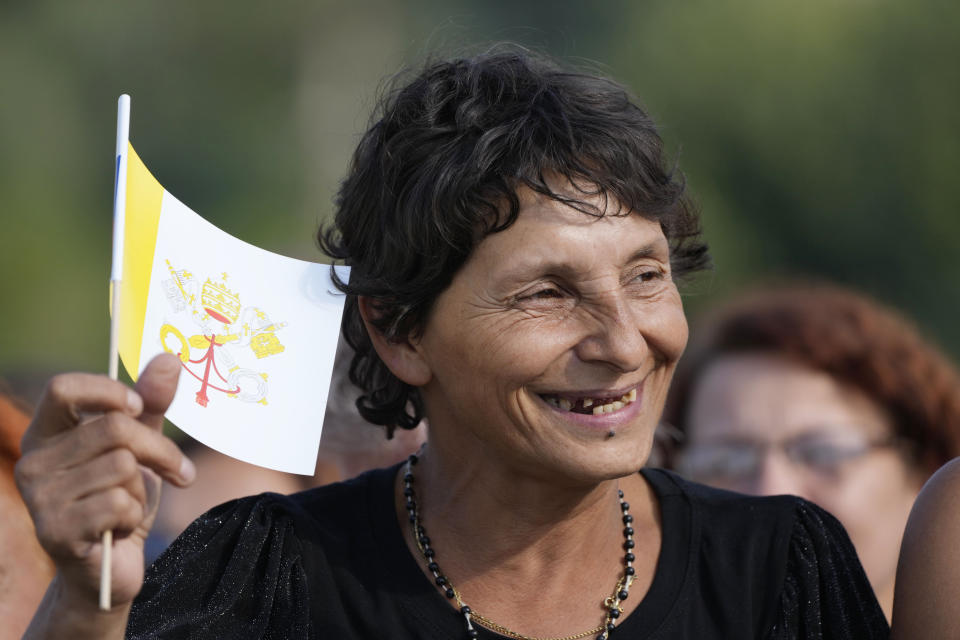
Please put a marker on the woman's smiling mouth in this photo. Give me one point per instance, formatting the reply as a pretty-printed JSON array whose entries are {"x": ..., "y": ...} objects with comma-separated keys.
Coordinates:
[{"x": 591, "y": 404}]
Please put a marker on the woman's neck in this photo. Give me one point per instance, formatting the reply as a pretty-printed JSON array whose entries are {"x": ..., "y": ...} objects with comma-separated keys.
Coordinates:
[{"x": 524, "y": 550}]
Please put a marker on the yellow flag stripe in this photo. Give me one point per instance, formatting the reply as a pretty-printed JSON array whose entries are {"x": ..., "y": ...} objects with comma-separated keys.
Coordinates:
[{"x": 144, "y": 199}]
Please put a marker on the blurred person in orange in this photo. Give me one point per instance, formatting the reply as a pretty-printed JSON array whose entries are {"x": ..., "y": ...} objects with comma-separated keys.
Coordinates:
[
  {"x": 817, "y": 391},
  {"x": 25, "y": 570}
]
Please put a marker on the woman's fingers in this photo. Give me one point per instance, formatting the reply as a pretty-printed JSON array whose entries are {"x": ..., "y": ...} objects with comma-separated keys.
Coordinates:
[
  {"x": 148, "y": 447},
  {"x": 69, "y": 395},
  {"x": 116, "y": 468},
  {"x": 80, "y": 477},
  {"x": 97, "y": 477},
  {"x": 113, "y": 509},
  {"x": 81, "y": 523},
  {"x": 130, "y": 419},
  {"x": 110, "y": 432},
  {"x": 92, "y": 461},
  {"x": 67, "y": 525},
  {"x": 156, "y": 386}
]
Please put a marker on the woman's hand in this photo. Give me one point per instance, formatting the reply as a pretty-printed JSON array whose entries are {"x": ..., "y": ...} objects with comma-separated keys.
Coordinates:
[{"x": 93, "y": 459}]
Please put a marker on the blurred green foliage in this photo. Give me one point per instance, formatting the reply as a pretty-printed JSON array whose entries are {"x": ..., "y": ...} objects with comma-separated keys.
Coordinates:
[{"x": 819, "y": 137}]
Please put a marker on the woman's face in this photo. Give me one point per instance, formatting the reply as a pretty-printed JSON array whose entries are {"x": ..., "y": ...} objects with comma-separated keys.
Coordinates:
[
  {"x": 553, "y": 347},
  {"x": 764, "y": 425}
]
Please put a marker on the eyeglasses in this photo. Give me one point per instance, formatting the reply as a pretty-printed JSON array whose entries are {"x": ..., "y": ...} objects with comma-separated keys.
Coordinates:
[{"x": 733, "y": 461}]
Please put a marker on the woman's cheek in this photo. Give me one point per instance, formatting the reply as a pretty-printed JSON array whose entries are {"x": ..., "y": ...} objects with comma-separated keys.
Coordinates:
[{"x": 667, "y": 331}]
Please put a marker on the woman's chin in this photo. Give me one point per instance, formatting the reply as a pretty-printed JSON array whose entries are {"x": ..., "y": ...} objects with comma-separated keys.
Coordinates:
[
  {"x": 609, "y": 445},
  {"x": 598, "y": 461}
]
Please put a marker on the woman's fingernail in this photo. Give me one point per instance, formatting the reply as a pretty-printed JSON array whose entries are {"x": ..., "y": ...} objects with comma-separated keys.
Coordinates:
[
  {"x": 134, "y": 402},
  {"x": 187, "y": 471}
]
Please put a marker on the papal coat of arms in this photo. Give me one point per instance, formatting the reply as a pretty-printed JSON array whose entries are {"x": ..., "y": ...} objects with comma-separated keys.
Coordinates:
[{"x": 229, "y": 334}]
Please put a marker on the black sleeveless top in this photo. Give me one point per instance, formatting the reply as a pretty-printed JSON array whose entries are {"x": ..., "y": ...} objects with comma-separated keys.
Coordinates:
[{"x": 331, "y": 563}]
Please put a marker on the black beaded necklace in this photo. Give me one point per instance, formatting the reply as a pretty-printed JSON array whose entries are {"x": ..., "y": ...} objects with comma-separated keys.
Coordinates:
[{"x": 611, "y": 604}]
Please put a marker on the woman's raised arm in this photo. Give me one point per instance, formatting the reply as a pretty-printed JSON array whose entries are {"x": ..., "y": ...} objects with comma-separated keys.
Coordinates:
[
  {"x": 93, "y": 459},
  {"x": 928, "y": 574}
]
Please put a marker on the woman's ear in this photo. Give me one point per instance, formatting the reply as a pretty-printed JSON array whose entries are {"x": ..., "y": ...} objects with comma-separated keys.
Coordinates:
[{"x": 402, "y": 358}]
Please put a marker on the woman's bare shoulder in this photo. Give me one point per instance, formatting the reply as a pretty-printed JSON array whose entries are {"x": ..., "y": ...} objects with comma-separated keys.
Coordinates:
[{"x": 928, "y": 574}]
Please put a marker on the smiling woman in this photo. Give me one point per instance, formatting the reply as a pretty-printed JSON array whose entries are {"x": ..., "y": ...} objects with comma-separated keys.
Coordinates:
[
  {"x": 515, "y": 242},
  {"x": 558, "y": 311}
]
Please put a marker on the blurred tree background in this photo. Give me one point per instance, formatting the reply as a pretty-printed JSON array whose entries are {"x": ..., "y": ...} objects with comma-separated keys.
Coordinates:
[{"x": 820, "y": 138}]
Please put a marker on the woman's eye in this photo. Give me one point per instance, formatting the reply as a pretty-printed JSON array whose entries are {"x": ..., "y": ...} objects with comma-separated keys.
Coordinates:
[
  {"x": 650, "y": 275},
  {"x": 544, "y": 294}
]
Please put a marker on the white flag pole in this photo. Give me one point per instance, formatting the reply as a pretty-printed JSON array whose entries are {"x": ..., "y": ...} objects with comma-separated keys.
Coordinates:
[{"x": 116, "y": 276}]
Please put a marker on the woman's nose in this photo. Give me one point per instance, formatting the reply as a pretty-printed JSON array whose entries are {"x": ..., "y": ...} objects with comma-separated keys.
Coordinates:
[{"x": 615, "y": 337}]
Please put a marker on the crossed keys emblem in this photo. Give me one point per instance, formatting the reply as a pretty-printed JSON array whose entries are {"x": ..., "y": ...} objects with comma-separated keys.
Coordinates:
[{"x": 224, "y": 324}]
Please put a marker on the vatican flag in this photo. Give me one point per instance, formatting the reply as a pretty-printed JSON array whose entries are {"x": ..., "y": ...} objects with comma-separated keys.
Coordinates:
[{"x": 255, "y": 332}]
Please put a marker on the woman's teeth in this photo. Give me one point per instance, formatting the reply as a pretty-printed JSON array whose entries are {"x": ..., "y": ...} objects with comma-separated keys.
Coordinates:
[{"x": 596, "y": 406}]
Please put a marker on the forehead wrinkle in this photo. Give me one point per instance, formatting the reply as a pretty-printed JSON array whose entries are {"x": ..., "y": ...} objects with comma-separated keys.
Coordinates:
[{"x": 532, "y": 267}]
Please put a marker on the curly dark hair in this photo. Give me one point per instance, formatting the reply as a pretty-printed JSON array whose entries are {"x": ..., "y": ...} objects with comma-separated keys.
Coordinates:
[
  {"x": 851, "y": 337},
  {"x": 439, "y": 169}
]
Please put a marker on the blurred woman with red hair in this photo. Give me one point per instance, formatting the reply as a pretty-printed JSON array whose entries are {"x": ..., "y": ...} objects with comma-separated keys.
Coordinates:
[{"x": 819, "y": 392}]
